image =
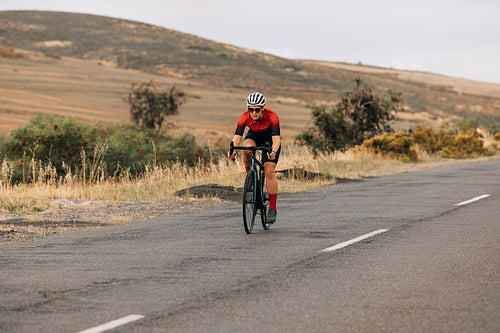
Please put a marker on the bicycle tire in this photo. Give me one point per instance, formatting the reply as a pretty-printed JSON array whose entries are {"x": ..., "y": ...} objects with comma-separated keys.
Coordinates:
[
  {"x": 249, "y": 206},
  {"x": 263, "y": 212}
]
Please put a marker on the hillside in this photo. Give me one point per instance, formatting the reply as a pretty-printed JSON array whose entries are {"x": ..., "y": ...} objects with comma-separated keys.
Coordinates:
[
  {"x": 92, "y": 92},
  {"x": 121, "y": 52}
]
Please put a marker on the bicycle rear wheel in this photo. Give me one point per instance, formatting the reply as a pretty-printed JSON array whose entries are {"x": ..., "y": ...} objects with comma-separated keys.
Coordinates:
[
  {"x": 249, "y": 206},
  {"x": 263, "y": 212}
]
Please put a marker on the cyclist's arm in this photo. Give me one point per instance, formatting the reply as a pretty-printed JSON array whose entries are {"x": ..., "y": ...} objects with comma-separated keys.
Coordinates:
[
  {"x": 276, "y": 142},
  {"x": 236, "y": 141},
  {"x": 275, "y": 131},
  {"x": 275, "y": 146}
]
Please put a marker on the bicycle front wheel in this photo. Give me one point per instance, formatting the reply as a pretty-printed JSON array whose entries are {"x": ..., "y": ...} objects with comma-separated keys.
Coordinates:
[{"x": 249, "y": 206}]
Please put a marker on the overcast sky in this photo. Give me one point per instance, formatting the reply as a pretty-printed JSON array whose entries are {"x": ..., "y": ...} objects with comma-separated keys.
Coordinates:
[{"x": 458, "y": 38}]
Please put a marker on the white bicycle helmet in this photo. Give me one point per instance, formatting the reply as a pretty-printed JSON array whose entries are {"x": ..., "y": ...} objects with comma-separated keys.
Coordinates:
[{"x": 256, "y": 99}]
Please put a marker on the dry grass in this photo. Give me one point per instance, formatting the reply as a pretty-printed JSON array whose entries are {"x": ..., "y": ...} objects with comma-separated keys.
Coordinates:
[
  {"x": 158, "y": 184},
  {"x": 121, "y": 220}
]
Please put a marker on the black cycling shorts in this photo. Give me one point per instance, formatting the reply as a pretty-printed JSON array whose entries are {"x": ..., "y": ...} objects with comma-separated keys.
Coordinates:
[{"x": 260, "y": 141}]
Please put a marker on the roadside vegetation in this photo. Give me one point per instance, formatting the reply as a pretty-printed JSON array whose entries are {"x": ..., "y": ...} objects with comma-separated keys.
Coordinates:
[
  {"x": 359, "y": 115},
  {"x": 64, "y": 158},
  {"x": 362, "y": 121},
  {"x": 157, "y": 182},
  {"x": 157, "y": 169}
]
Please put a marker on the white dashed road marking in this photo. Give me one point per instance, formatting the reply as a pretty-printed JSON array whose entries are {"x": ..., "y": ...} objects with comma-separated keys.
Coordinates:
[
  {"x": 354, "y": 240},
  {"x": 113, "y": 324},
  {"x": 473, "y": 200}
]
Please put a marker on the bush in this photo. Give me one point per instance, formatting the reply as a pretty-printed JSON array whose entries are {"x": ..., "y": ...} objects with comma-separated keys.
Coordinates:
[
  {"x": 463, "y": 145},
  {"x": 466, "y": 145},
  {"x": 133, "y": 148},
  {"x": 360, "y": 115},
  {"x": 3, "y": 138},
  {"x": 51, "y": 139},
  {"x": 149, "y": 105},
  {"x": 467, "y": 124},
  {"x": 10, "y": 53},
  {"x": 329, "y": 132},
  {"x": 402, "y": 147},
  {"x": 63, "y": 144},
  {"x": 394, "y": 145},
  {"x": 431, "y": 141},
  {"x": 462, "y": 126}
]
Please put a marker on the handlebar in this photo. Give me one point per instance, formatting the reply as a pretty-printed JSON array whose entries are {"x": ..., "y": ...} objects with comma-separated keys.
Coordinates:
[{"x": 232, "y": 148}]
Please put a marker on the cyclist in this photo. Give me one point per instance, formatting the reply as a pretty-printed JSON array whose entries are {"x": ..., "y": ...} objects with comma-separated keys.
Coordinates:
[{"x": 264, "y": 127}]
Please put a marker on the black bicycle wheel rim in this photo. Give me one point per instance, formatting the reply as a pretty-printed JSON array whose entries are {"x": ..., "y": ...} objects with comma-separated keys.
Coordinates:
[
  {"x": 249, "y": 207},
  {"x": 264, "y": 210},
  {"x": 263, "y": 217},
  {"x": 265, "y": 204}
]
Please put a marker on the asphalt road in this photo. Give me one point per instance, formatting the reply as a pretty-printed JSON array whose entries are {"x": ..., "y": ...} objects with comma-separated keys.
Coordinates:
[{"x": 434, "y": 268}]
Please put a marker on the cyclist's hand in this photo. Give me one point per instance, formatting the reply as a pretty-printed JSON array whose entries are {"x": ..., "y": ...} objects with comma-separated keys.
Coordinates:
[
  {"x": 271, "y": 155},
  {"x": 231, "y": 156}
]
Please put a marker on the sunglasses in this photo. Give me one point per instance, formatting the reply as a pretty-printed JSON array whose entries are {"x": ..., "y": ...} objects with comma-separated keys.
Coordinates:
[{"x": 255, "y": 110}]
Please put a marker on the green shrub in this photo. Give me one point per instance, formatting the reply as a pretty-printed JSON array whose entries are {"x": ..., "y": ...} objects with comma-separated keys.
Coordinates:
[
  {"x": 52, "y": 139},
  {"x": 3, "y": 137},
  {"x": 467, "y": 124},
  {"x": 131, "y": 147},
  {"x": 463, "y": 145},
  {"x": 60, "y": 144},
  {"x": 394, "y": 145},
  {"x": 358, "y": 116},
  {"x": 149, "y": 105},
  {"x": 462, "y": 126}
]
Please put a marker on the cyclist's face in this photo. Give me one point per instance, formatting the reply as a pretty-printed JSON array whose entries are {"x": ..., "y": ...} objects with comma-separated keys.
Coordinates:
[{"x": 255, "y": 112}]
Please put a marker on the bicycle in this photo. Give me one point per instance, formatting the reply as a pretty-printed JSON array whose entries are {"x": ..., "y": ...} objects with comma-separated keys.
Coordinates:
[{"x": 254, "y": 197}]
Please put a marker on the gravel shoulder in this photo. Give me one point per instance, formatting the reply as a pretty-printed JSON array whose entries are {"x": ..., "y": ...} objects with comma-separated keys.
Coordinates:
[{"x": 66, "y": 216}]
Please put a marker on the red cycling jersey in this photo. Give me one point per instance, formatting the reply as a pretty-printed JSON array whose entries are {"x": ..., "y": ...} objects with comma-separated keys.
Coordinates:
[{"x": 269, "y": 124}]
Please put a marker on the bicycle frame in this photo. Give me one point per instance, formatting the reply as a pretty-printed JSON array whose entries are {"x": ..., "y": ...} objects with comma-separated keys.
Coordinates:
[
  {"x": 256, "y": 169},
  {"x": 260, "y": 177}
]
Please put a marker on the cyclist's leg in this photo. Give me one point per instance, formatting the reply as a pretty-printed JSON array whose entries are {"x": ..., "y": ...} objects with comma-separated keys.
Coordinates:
[
  {"x": 272, "y": 182},
  {"x": 272, "y": 190},
  {"x": 246, "y": 153}
]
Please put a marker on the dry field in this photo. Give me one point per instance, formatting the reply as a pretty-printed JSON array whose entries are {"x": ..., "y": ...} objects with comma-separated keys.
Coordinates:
[{"x": 94, "y": 92}]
